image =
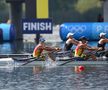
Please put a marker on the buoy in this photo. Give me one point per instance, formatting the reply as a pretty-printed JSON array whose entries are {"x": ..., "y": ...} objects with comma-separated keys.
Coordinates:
[{"x": 79, "y": 69}]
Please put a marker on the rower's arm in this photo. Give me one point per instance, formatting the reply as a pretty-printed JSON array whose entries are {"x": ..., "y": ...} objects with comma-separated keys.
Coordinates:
[
  {"x": 105, "y": 41},
  {"x": 74, "y": 42},
  {"x": 49, "y": 48},
  {"x": 91, "y": 48}
]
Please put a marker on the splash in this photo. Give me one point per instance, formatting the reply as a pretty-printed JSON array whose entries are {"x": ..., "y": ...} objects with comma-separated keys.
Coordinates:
[{"x": 50, "y": 64}]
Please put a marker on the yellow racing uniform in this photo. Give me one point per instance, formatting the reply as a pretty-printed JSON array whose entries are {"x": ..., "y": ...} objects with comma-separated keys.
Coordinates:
[{"x": 37, "y": 51}]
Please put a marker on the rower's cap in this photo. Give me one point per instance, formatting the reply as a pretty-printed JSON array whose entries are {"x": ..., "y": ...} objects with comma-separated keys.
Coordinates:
[
  {"x": 41, "y": 40},
  {"x": 83, "y": 38},
  {"x": 69, "y": 34},
  {"x": 102, "y": 34}
]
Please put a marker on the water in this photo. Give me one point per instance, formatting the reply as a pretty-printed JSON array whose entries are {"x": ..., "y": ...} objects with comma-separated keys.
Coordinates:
[
  {"x": 50, "y": 78},
  {"x": 58, "y": 78},
  {"x": 45, "y": 78}
]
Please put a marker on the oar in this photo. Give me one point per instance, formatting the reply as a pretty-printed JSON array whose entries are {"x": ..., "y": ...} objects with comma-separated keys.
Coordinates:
[
  {"x": 23, "y": 59},
  {"x": 32, "y": 60},
  {"x": 65, "y": 62},
  {"x": 72, "y": 59},
  {"x": 28, "y": 62},
  {"x": 68, "y": 61}
]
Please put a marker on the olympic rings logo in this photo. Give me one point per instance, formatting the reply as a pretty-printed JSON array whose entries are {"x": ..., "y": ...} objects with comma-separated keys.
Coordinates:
[
  {"x": 106, "y": 28},
  {"x": 77, "y": 28},
  {"x": 82, "y": 28},
  {"x": 100, "y": 28}
]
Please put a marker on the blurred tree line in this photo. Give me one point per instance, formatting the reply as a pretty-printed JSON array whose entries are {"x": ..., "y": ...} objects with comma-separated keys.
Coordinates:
[
  {"x": 75, "y": 10},
  {"x": 4, "y": 11},
  {"x": 65, "y": 10}
]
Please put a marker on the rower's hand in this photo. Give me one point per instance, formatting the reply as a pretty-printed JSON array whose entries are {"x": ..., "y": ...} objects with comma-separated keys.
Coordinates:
[
  {"x": 95, "y": 48},
  {"x": 99, "y": 49},
  {"x": 58, "y": 49}
]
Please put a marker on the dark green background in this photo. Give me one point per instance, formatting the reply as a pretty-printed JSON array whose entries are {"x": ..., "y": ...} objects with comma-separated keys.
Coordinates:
[{"x": 65, "y": 10}]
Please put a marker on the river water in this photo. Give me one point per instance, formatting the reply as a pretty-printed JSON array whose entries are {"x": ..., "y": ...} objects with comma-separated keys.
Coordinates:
[
  {"x": 58, "y": 78},
  {"x": 94, "y": 77}
]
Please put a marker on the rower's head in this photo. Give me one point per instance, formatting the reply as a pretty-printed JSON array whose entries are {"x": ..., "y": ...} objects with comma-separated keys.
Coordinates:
[
  {"x": 70, "y": 35},
  {"x": 42, "y": 40},
  {"x": 83, "y": 39},
  {"x": 102, "y": 35}
]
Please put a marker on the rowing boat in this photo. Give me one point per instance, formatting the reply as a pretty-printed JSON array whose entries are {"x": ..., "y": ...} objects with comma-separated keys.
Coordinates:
[
  {"x": 14, "y": 55},
  {"x": 60, "y": 62}
]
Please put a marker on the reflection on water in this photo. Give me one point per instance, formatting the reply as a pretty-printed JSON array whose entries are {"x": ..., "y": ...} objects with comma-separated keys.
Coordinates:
[
  {"x": 5, "y": 48},
  {"x": 58, "y": 78},
  {"x": 37, "y": 69},
  {"x": 16, "y": 47}
]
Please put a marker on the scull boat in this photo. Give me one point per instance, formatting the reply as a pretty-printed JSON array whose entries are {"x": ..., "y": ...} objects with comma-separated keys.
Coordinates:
[
  {"x": 14, "y": 55},
  {"x": 60, "y": 62}
]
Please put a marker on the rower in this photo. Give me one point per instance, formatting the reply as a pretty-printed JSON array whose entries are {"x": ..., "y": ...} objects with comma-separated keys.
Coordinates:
[
  {"x": 70, "y": 41},
  {"x": 101, "y": 44},
  {"x": 82, "y": 49},
  {"x": 38, "y": 51}
]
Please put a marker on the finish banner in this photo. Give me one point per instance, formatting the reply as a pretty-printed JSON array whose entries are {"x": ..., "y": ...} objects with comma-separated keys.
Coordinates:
[{"x": 34, "y": 26}]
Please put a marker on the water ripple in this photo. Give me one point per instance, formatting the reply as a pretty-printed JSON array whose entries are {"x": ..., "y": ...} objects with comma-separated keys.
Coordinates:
[{"x": 57, "y": 78}]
